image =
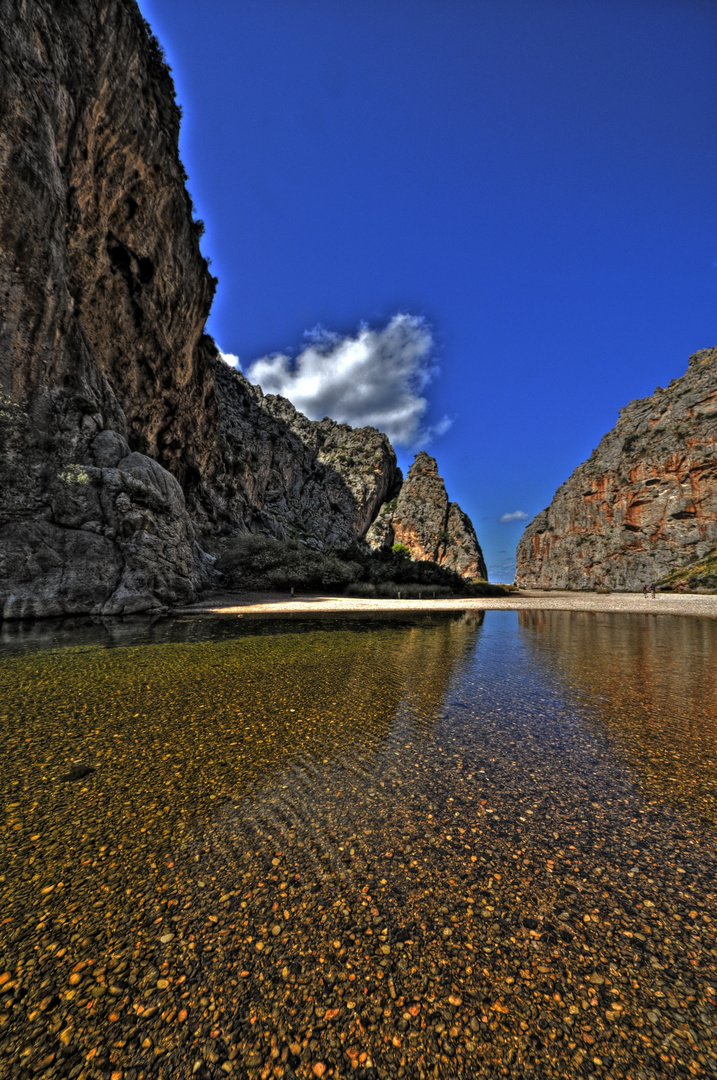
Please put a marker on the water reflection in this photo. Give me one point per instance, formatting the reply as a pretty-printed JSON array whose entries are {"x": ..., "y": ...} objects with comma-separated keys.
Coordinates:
[
  {"x": 20, "y": 637},
  {"x": 381, "y": 848},
  {"x": 652, "y": 687},
  {"x": 199, "y": 711}
]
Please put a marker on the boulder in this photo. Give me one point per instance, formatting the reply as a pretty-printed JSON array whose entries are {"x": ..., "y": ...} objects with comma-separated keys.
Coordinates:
[{"x": 112, "y": 541}]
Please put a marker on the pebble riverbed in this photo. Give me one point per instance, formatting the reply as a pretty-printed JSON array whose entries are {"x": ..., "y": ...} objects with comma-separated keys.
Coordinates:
[{"x": 462, "y": 846}]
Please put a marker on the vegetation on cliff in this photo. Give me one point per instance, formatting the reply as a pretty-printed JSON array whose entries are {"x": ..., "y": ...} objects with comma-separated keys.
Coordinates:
[
  {"x": 258, "y": 561},
  {"x": 698, "y": 576}
]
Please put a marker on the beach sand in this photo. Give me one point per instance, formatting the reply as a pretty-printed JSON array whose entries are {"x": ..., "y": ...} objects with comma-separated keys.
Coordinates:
[{"x": 275, "y": 603}]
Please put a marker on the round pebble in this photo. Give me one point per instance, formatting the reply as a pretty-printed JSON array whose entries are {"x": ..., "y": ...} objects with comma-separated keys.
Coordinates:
[{"x": 488, "y": 845}]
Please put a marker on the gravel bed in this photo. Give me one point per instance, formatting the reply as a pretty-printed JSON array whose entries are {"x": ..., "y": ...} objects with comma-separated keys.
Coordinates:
[{"x": 431, "y": 850}]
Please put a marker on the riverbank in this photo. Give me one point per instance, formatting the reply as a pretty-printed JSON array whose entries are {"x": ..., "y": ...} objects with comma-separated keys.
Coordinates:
[{"x": 268, "y": 603}]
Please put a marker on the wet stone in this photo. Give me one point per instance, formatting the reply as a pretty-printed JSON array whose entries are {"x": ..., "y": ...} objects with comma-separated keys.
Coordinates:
[
  {"x": 77, "y": 772},
  {"x": 475, "y": 848}
]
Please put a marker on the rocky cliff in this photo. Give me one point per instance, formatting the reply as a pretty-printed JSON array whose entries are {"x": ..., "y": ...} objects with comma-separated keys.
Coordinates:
[
  {"x": 355, "y": 471},
  {"x": 103, "y": 297},
  {"x": 125, "y": 442},
  {"x": 644, "y": 504},
  {"x": 431, "y": 527}
]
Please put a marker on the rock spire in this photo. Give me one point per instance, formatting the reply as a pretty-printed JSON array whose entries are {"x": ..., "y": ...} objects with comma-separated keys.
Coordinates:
[{"x": 431, "y": 527}]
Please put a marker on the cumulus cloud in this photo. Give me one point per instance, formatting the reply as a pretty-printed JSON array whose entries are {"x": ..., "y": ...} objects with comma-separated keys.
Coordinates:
[
  {"x": 517, "y": 515},
  {"x": 230, "y": 359},
  {"x": 374, "y": 378}
]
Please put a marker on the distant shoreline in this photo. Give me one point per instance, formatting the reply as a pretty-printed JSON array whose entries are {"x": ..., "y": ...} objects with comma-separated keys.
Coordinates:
[{"x": 274, "y": 603}]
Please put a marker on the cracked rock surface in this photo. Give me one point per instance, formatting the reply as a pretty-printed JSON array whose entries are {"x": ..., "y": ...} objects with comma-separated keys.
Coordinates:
[
  {"x": 644, "y": 503},
  {"x": 104, "y": 296}
]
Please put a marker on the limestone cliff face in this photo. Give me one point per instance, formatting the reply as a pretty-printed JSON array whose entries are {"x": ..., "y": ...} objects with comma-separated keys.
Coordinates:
[
  {"x": 278, "y": 472},
  {"x": 103, "y": 297},
  {"x": 105, "y": 291},
  {"x": 645, "y": 502},
  {"x": 125, "y": 442},
  {"x": 430, "y": 526}
]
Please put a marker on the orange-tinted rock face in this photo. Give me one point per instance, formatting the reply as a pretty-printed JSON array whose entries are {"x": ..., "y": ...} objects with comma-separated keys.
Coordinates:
[
  {"x": 421, "y": 514},
  {"x": 645, "y": 502},
  {"x": 431, "y": 527}
]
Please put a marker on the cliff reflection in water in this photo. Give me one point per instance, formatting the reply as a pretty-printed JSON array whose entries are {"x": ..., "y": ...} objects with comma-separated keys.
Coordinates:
[
  {"x": 650, "y": 682},
  {"x": 205, "y": 708},
  {"x": 370, "y": 847}
]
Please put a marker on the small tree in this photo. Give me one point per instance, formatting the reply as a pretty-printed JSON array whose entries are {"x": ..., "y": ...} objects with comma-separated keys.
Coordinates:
[{"x": 401, "y": 550}]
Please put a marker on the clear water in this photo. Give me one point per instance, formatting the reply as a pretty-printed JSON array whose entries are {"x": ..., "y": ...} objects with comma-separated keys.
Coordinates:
[{"x": 463, "y": 846}]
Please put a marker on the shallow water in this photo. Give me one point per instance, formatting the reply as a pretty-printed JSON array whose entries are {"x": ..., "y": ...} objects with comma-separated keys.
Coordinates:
[{"x": 456, "y": 846}]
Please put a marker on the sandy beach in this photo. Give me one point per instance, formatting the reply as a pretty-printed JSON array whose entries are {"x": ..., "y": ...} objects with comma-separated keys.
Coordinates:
[{"x": 268, "y": 603}]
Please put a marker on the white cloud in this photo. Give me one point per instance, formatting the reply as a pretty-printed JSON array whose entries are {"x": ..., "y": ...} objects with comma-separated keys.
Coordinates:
[
  {"x": 230, "y": 359},
  {"x": 517, "y": 515},
  {"x": 374, "y": 378}
]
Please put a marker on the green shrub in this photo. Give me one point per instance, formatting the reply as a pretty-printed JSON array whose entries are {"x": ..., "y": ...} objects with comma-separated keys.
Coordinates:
[
  {"x": 391, "y": 591},
  {"x": 402, "y": 551},
  {"x": 477, "y": 587},
  {"x": 259, "y": 561},
  {"x": 73, "y": 474},
  {"x": 698, "y": 574}
]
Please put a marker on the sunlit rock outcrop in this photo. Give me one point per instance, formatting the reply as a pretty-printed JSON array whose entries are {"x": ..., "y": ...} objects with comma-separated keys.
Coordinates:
[
  {"x": 644, "y": 504},
  {"x": 431, "y": 527}
]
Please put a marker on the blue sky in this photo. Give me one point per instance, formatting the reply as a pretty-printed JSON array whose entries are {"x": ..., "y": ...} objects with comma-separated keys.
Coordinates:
[{"x": 534, "y": 182}]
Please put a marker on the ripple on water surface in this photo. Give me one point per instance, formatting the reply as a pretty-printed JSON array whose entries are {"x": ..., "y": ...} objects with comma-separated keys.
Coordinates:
[{"x": 446, "y": 847}]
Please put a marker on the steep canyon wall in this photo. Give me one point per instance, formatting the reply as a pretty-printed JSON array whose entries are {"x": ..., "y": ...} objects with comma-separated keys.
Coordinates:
[
  {"x": 644, "y": 503},
  {"x": 125, "y": 442}
]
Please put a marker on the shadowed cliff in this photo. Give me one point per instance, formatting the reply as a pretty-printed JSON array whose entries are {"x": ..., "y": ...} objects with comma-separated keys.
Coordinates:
[{"x": 126, "y": 445}]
